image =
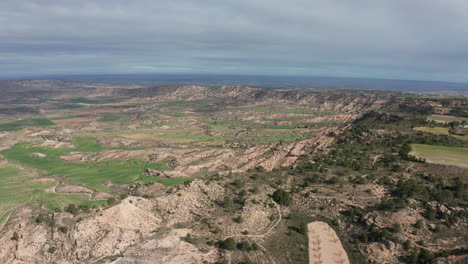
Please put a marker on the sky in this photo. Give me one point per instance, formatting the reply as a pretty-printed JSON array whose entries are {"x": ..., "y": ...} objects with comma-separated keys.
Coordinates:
[{"x": 394, "y": 39}]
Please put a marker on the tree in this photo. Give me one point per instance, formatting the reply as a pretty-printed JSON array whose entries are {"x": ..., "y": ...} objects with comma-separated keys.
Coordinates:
[
  {"x": 282, "y": 197},
  {"x": 229, "y": 244}
]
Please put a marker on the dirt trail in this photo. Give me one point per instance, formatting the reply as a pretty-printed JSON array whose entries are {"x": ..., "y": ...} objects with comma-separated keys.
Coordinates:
[{"x": 324, "y": 245}]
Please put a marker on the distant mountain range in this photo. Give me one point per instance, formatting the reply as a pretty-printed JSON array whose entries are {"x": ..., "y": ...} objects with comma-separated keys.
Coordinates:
[{"x": 270, "y": 82}]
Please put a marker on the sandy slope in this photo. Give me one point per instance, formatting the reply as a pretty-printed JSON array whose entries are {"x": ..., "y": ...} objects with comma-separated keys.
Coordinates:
[{"x": 324, "y": 245}]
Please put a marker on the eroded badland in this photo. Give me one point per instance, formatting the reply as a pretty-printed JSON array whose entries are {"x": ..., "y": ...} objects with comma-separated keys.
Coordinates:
[{"x": 93, "y": 173}]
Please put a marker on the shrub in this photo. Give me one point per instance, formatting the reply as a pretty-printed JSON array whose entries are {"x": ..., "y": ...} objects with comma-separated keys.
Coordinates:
[
  {"x": 63, "y": 229},
  {"x": 244, "y": 245},
  {"x": 52, "y": 250},
  {"x": 303, "y": 228},
  {"x": 247, "y": 261},
  {"x": 254, "y": 190},
  {"x": 41, "y": 218},
  {"x": 15, "y": 236},
  {"x": 418, "y": 224},
  {"x": 228, "y": 244},
  {"x": 72, "y": 209},
  {"x": 111, "y": 201},
  {"x": 282, "y": 197},
  {"x": 227, "y": 202},
  {"x": 430, "y": 214},
  {"x": 189, "y": 238},
  {"x": 238, "y": 183}
]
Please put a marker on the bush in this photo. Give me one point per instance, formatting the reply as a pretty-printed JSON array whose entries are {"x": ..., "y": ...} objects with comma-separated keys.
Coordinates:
[
  {"x": 63, "y": 229},
  {"x": 15, "y": 236},
  {"x": 41, "y": 218},
  {"x": 72, "y": 209},
  {"x": 227, "y": 202},
  {"x": 239, "y": 219},
  {"x": 111, "y": 201},
  {"x": 282, "y": 197},
  {"x": 430, "y": 214},
  {"x": 247, "y": 261},
  {"x": 407, "y": 245},
  {"x": 418, "y": 224},
  {"x": 238, "y": 183},
  {"x": 244, "y": 245},
  {"x": 189, "y": 238},
  {"x": 254, "y": 190},
  {"x": 333, "y": 180},
  {"x": 303, "y": 228},
  {"x": 228, "y": 244}
]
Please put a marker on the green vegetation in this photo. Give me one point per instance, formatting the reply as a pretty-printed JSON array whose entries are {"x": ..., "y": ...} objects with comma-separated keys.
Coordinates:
[
  {"x": 69, "y": 106},
  {"x": 32, "y": 122},
  {"x": 228, "y": 244},
  {"x": 92, "y": 174},
  {"x": 82, "y": 100},
  {"x": 109, "y": 118},
  {"x": 447, "y": 118},
  {"x": 434, "y": 130},
  {"x": 18, "y": 187},
  {"x": 15, "y": 110},
  {"x": 178, "y": 114},
  {"x": 456, "y": 156},
  {"x": 63, "y": 117},
  {"x": 282, "y": 197},
  {"x": 440, "y": 131}
]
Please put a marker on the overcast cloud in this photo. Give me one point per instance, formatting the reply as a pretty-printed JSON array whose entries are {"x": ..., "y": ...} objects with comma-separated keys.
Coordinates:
[{"x": 405, "y": 39}]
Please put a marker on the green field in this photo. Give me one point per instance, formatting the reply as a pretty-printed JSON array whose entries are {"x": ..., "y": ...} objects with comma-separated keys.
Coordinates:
[
  {"x": 31, "y": 122},
  {"x": 441, "y": 155},
  {"x": 18, "y": 187},
  {"x": 434, "y": 130},
  {"x": 447, "y": 118},
  {"x": 440, "y": 131},
  {"x": 92, "y": 174}
]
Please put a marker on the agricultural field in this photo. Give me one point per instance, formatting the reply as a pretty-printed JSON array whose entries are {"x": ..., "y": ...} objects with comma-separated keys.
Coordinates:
[
  {"x": 440, "y": 131},
  {"x": 456, "y": 156},
  {"x": 93, "y": 174},
  {"x": 447, "y": 118},
  {"x": 19, "y": 187}
]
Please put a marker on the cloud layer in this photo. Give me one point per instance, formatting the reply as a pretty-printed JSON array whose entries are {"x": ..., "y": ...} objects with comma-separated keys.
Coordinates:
[{"x": 417, "y": 39}]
